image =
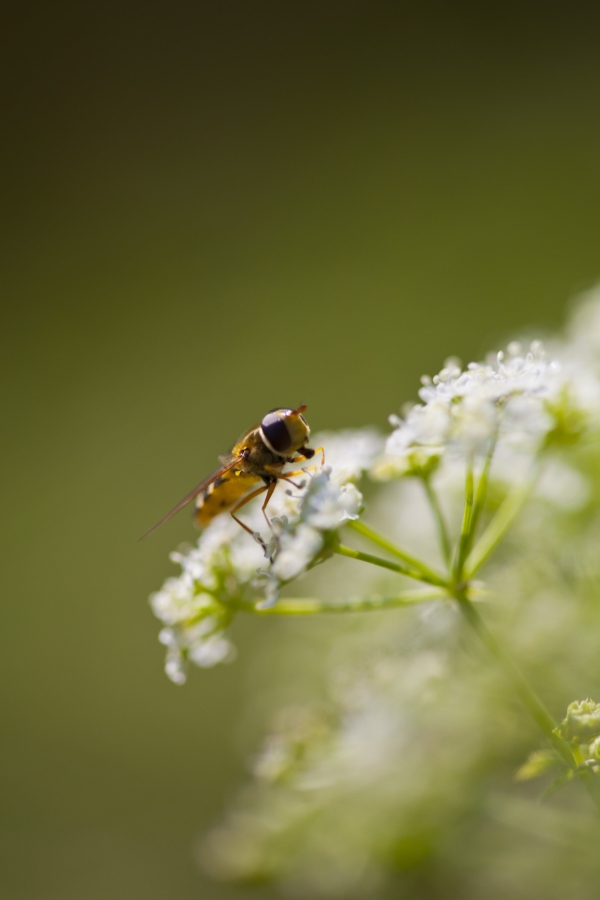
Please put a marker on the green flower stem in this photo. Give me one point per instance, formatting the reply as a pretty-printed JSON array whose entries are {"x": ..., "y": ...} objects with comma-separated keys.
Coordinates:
[
  {"x": 388, "y": 564},
  {"x": 527, "y": 696},
  {"x": 578, "y": 755},
  {"x": 467, "y": 522},
  {"x": 413, "y": 562},
  {"x": 309, "y": 606},
  {"x": 531, "y": 701},
  {"x": 481, "y": 492},
  {"x": 439, "y": 520},
  {"x": 498, "y": 527}
]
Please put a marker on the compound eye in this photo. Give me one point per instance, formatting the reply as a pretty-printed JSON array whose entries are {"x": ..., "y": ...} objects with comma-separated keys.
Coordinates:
[{"x": 276, "y": 433}]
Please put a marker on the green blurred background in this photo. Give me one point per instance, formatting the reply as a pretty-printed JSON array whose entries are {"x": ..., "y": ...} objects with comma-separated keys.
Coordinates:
[{"x": 210, "y": 210}]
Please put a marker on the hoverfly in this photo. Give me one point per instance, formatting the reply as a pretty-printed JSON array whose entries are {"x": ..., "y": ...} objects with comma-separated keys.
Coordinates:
[{"x": 259, "y": 455}]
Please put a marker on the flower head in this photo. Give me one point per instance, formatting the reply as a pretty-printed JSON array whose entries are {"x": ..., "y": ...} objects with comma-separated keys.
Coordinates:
[
  {"x": 226, "y": 570},
  {"x": 520, "y": 400},
  {"x": 351, "y": 452},
  {"x": 197, "y": 607},
  {"x": 324, "y": 508}
]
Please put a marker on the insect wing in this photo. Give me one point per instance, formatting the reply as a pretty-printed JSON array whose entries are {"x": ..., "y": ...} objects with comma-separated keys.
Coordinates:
[{"x": 194, "y": 493}]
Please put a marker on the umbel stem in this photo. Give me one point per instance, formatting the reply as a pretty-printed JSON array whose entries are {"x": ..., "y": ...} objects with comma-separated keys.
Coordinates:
[
  {"x": 429, "y": 576},
  {"x": 440, "y": 522},
  {"x": 457, "y": 587},
  {"x": 310, "y": 606},
  {"x": 414, "y": 563},
  {"x": 528, "y": 696}
]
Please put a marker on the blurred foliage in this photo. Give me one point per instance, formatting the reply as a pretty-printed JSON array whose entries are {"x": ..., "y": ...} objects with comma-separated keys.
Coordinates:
[{"x": 209, "y": 211}]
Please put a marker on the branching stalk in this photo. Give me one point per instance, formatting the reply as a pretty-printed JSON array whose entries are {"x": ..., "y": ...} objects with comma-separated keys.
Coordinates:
[
  {"x": 412, "y": 562},
  {"x": 481, "y": 492},
  {"x": 528, "y": 696},
  {"x": 309, "y": 606},
  {"x": 342, "y": 550},
  {"x": 440, "y": 522},
  {"x": 498, "y": 527},
  {"x": 465, "y": 531}
]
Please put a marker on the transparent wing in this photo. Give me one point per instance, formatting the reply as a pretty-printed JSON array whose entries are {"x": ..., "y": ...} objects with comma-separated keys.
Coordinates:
[{"x": 194, "y": 493}]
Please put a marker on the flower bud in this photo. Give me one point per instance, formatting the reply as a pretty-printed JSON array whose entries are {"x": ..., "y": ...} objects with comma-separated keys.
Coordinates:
[
  {"x": 594, "y": 751},
  {"x": 582, "y": 721}
]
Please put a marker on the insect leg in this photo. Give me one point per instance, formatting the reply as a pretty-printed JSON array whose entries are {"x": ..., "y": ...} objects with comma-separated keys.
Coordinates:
[
  {"x": 318, "y": 450},
  {"x": 269, "y": 491},
  {"x": 243, "y": 502},
  {"x": 286, "y": 476},
  {"x": 293, "y": 483}
]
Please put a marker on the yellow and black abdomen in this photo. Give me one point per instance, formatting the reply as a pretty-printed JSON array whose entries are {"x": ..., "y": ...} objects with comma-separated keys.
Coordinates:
[{"x": 222, "y": 495}]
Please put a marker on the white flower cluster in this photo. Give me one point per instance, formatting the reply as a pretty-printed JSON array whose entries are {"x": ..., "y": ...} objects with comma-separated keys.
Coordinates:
[
  {"x": 350, "y": 452},
  {"x": 373, "y": 787},
  {"x": 330, "y": 499},
  {"x": 516, "y": 398},
  {"x": 324, "y": 507},
  {"x": 196, "y": 606},
  {"x": 226, "y": 570}
]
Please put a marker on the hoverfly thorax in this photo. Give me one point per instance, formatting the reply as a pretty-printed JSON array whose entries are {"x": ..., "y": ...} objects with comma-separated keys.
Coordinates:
[
  {"x": 255, "y": 466},
  {"x": 285, "y": 431}
]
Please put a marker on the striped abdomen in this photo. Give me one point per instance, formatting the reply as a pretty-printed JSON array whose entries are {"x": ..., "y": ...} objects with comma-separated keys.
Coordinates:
[{"x": 222, "y": 495}]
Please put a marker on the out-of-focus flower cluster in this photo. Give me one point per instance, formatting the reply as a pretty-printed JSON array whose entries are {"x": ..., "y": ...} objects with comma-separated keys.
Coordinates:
[
  {"x": 517, "y": 400},
  {"x": 227, "y": 571},
  {"x": 400, "y": 773}
]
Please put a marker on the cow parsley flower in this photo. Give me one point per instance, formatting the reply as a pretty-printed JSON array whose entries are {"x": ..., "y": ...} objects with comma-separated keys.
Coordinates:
[
  {"x": 330, "y": 499},
  {"x": 519, "y": 400},
  {"x": 325, "y": 506},
  {"x": 226, "y": 570},
  {"x": 376, "y": 772},
  {"x": 351, "y": 452},
  {"x": 197, "y": 607}
]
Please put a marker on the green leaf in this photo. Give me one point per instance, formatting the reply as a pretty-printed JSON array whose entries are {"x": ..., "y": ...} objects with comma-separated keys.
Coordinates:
[{"x": 538, "y": 763}]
